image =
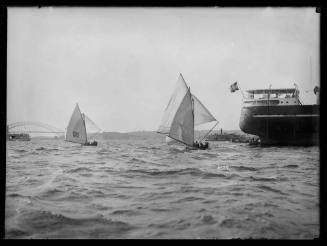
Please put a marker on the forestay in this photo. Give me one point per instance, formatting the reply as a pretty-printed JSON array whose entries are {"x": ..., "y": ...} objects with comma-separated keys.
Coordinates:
[{"x": 76, "y": 131}]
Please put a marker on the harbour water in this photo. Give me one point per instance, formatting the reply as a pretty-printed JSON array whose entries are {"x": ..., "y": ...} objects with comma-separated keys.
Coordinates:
[{"x": 142, "y": 188}]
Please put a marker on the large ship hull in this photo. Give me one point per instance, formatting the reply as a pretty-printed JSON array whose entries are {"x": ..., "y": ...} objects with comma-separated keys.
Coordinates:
[{"x": 282, "y": 125}]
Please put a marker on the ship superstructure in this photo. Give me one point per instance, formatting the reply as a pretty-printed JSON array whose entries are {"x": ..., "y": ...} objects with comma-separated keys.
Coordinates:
[{"x": 278, "y": 117}]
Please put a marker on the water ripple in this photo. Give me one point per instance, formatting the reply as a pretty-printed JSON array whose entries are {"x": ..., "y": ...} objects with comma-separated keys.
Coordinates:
[{"x": 142, "y": 188}]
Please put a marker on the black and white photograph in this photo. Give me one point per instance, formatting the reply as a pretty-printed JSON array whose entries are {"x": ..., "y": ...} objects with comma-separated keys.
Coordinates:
[{"x": 162, "y": 123}]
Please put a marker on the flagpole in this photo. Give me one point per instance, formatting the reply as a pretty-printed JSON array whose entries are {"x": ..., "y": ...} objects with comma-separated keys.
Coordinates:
[{"x": 240, "y": 90}]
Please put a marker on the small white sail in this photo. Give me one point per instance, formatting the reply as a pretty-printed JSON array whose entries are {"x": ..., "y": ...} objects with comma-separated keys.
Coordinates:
[
  {"x": 171, "y": 141},
  {"x": 76, "y": 131},
  {"x": 182, "y": 113},
  {"x": 91, "y": 127},
  {"x": 182, "y": 127},
  {"x": 173, "y": 105},
  {"x": 201, "y": 113},
  {"x": 92, "y": 130}
]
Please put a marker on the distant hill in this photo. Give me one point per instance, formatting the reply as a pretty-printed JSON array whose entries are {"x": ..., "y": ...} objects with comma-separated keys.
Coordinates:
[
  {"x": 154, "y": 135},
  {"x": 150, "y": 134},
  {"x": 129, "y": 135}
]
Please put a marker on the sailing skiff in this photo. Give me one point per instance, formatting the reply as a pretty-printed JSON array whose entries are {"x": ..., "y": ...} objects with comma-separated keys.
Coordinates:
[
  {"x": 183, "y": 112},
  {"x": 76, "y": 129}
]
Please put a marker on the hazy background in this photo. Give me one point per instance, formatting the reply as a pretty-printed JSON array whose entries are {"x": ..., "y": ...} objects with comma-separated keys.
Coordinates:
[{"x": 121, "y": 64}]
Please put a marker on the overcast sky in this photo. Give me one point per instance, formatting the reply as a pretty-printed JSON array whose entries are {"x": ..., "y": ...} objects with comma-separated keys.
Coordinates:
[{"x": 121, "y": 64}]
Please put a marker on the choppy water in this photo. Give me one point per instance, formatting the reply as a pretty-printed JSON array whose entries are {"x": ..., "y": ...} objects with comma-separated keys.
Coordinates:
[{"x": 145, "y": 189}]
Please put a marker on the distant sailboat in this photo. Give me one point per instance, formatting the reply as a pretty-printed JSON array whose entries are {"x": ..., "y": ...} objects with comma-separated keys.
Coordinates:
[
  {"x": 183, "y": 112},
  {"x": 76, "y": 129}
]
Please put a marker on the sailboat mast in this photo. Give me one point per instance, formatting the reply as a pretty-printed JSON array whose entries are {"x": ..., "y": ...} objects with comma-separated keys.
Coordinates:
[
  {"x": 192, "y": 100},
  {"x": 83, "y": 118}
]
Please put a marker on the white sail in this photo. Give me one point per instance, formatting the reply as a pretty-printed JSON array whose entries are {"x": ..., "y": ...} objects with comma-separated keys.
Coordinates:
[
  {"x": 76, "y": 131},
  {"x": 91, "y": 127},
  {"x": 92, "y": 130},
  {"x": 171, "y": 141},
  {"x": 182, "y": 127},
  {"x": 173, "y": 105},
  {"x": 201, "y": 113}
]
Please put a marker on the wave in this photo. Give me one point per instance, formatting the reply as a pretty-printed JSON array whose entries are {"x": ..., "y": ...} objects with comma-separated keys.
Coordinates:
[
  {"x": 208, "y": 219},
  {"x": 126, "y": 212},
  {"x": 186, "y": 171},
  {"x": 174, "y": 150},
  {"x": 244, "y": 168},
  {"x": 50, "y": 193},
  {"x": 96, "y": 193},
  {"x": 211, "y": 155},
  {"x": 160, "y": 209},
  {"x": 47, "y": 149},
  {"x": 20, "y": 150},
  {"x": 137, "y": 160},
  {"x": 198, "y": 158},
  {"x": 268, "y": 188},
  {"x": 188, "y": 199},
  {"x": 149, "y": 148},
  {"x": 14, "y": 233},
  {"x": 263, "y": 179},
  {"x": 46, "y": 221},
  {"x": 78, "y": 169},
  {"x": 14, "y": 195},
  {"x": 229, "y": 223},
  {"x": 128, "y": 187},
  {"x": 292, "y": 166},
  {"x": 179, "y": 224},
  {"x": 91, "y": 162},
  {"x": 214, "y": 175}
]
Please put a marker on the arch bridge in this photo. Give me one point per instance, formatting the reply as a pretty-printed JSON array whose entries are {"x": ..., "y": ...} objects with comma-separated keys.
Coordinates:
[{"x": 32, "y": 127}]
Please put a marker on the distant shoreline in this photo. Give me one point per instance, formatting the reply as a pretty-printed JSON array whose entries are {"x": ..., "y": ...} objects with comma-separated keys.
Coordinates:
[{"x": 227, "y": 135}]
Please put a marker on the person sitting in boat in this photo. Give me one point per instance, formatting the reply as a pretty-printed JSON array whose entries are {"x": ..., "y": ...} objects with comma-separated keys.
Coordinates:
[
  {"x": 204, "y": 145},
  {"x": 196, "y": 144},
  {"x": 92, "y": 143}
]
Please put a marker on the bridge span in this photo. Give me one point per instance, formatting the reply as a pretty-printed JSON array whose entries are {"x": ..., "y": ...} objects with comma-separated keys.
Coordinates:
[{"x": 26, "y": 127}]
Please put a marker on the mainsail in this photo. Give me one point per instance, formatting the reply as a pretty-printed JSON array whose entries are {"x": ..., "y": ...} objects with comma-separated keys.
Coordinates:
[
  {"x": 173, "y": 105},
  {"x": 182, "y": 127},
  {"x": 76, "y": 130}
]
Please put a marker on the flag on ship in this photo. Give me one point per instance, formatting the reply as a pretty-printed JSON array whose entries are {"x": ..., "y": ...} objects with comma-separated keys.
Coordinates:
[
  {"x": 234, "y": 87},
  {"x": 316, "y": 90}
]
